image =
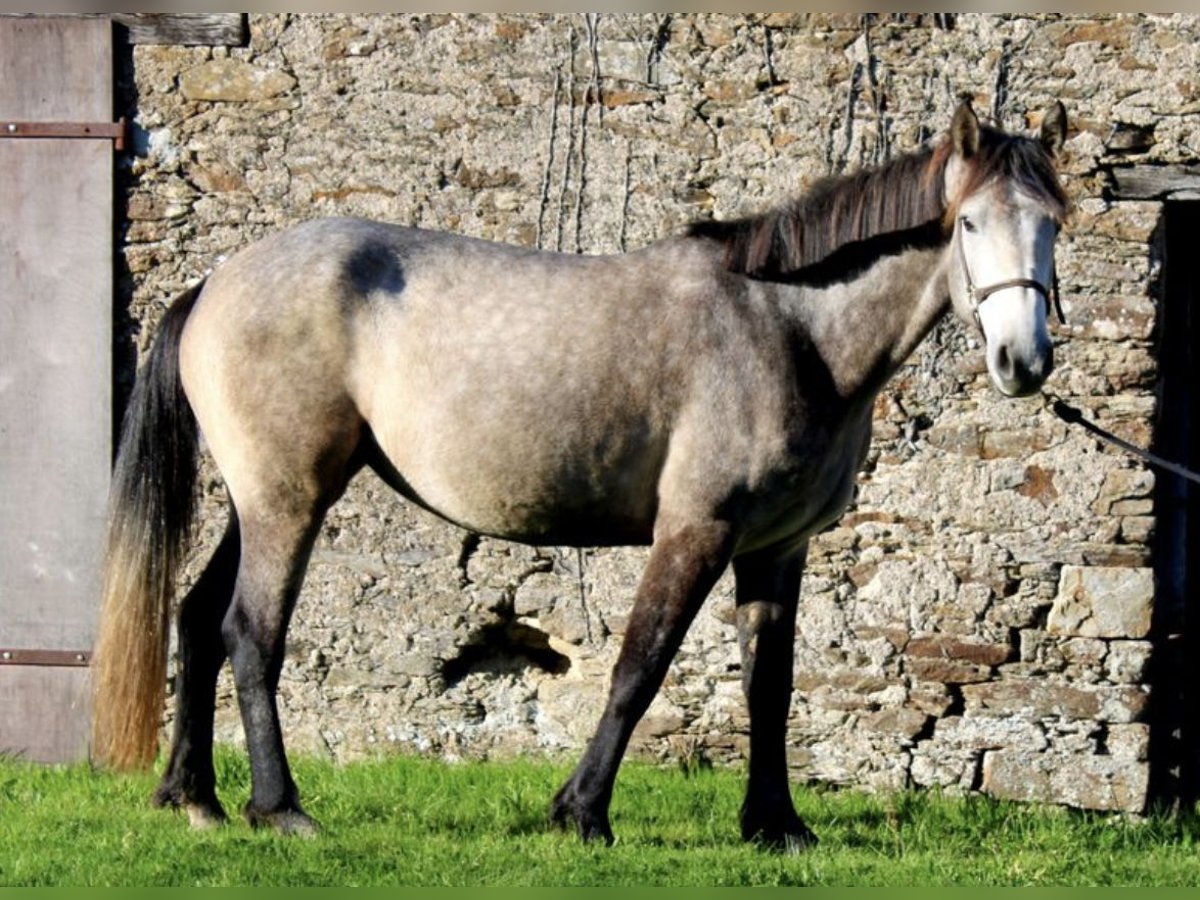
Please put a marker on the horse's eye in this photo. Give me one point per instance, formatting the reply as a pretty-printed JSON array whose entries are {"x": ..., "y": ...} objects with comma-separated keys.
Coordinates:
[{"x": 967, "y": 224}]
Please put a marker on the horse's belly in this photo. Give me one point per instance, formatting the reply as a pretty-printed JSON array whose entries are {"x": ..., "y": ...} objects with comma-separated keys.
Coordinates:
[
  {"x": 521, "y": 482},
  {"x": 515, "y": 509}
]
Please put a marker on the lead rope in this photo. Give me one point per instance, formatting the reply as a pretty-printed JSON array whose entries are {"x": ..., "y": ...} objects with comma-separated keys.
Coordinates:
[{"x": 1074, "y": 416}]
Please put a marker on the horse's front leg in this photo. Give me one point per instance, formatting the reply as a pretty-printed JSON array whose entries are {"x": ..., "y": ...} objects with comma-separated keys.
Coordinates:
[
  {"x": 768, "y": 589},
  {"x": 684, "y": 564}
]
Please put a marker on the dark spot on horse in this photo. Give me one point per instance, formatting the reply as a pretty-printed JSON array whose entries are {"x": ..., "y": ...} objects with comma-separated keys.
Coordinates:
[{"x": 374, "y": 266}]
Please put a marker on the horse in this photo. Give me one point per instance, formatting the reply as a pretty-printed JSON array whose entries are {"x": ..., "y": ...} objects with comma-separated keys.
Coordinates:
[{"x": 709, "y": 395}]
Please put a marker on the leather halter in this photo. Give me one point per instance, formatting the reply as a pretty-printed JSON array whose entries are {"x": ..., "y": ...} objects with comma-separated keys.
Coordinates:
[{"x": 976, "y": 295}]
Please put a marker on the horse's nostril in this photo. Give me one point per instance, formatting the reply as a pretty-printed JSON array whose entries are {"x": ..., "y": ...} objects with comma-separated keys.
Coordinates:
[
  {"x": 1004, "y": 363},
  {"x": 1016, "y": 374}
]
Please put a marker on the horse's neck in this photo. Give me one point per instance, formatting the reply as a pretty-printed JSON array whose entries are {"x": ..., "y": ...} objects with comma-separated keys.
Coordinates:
[{"x": 866, "y": 328}]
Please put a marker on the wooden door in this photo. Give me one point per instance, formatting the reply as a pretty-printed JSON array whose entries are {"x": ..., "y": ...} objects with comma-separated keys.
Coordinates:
[{"x": 56, "y": 269}]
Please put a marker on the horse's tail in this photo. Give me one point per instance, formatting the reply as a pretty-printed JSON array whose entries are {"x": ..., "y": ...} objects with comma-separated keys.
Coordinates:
[{"x": 151, "y": 505}]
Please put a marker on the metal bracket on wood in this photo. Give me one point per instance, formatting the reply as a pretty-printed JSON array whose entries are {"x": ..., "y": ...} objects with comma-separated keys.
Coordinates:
[
  {"x": 70, "y": 658},
  {"x": 110, "y": 131}
]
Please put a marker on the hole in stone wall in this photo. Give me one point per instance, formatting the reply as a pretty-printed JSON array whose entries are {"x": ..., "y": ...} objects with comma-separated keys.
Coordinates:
[
  {"x": 958, "y": 703},
  {"x": 977, "y": 772},
  {"x": 506, "y": 648}
]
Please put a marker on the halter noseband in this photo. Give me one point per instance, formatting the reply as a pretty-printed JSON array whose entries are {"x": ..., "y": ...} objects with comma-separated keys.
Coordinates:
[{"x": 976, "y": 295}]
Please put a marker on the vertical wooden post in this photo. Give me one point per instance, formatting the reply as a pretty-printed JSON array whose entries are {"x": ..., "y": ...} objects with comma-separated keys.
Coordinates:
[{"x": 56, "y": 272}]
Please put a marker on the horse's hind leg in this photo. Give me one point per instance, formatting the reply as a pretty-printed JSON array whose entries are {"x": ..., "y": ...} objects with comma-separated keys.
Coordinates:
[
  {"x": 189, "y": 781},
  {"x": 768, "y": 590},
  {"x": 277, "y": 538},
  {"x": 281, "y": 482}
]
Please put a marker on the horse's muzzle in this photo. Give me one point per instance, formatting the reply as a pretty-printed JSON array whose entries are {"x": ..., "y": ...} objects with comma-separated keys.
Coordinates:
[{"x": 1019, "y": 372}]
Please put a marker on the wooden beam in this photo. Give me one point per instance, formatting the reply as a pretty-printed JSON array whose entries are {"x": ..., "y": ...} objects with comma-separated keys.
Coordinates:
[
  {"x": 1175, "y": 182},
  {"x": 218, "y": 29},
  {"x": 202, "y": 29}
]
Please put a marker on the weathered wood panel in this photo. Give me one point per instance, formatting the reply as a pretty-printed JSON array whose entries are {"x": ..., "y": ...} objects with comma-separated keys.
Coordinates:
[
  {"x": 55, "y": 69},
  {"x": 215, "y": 29},
  {"x": 55, "y": 372},
  {"x": 45, "y": 713},
  {"x": 1172, "y": 182}
]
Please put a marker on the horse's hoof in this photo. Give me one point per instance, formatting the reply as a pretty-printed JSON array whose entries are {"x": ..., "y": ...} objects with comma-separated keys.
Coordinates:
[
  {"x": 287, "y": 821},
  {"x": 202, "y": 812},
  {"x": 796, "y": 842},
  {"x": 791, "y": 839},
  {"x": 593, "y": 830},
  {"x": 591, "y": 827},
  {"x": 792, "y": 842},
  {"x": 203, "y": 817}
]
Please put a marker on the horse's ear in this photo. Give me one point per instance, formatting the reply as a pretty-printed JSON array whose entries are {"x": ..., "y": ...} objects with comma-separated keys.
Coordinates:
[
  {"x": 1053, "y": 133},
  {"x": 964, "y": 130}
]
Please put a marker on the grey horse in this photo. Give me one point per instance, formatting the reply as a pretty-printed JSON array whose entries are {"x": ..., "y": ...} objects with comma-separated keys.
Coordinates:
[{"x": 709, "y": 395}]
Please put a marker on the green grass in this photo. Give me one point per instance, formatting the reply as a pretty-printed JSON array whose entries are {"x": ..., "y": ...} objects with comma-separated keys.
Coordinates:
[{"x": 412, "y": 821}]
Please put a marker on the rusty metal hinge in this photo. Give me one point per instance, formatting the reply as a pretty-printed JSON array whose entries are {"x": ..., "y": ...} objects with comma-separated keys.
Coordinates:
[
  {"x": 109, "y": 131},
  {"x": 45, "y": 657}
]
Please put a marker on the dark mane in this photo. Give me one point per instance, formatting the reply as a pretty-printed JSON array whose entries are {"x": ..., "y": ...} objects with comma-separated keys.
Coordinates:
[{"x": 902, "y": 195}]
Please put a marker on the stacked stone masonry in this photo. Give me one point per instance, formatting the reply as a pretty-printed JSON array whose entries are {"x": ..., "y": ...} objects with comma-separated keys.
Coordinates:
[{"x": 979, "y": 620}]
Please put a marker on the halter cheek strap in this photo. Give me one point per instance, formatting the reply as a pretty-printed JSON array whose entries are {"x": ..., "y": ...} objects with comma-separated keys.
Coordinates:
[{"x": 976, "y": 295}]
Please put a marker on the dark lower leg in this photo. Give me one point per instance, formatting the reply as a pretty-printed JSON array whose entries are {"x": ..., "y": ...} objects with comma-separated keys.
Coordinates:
[
  {"x": 274, "y": 799},
  {"x": 254, "y": 631},
  {"x": 767, "y": 595},
  {"x": 189, "y": 781},
  {"x": 681, "y": 571}
]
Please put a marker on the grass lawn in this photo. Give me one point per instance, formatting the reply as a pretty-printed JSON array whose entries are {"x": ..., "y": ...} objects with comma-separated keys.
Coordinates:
[{"x": 412, "y": 821}]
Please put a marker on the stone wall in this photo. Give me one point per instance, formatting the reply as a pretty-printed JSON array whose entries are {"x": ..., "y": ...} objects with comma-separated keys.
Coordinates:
[{"x": 981, "y": 619}]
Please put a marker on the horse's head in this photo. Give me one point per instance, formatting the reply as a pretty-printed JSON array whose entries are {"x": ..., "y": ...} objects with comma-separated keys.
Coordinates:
[{"x": 1004, "y": 205}]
